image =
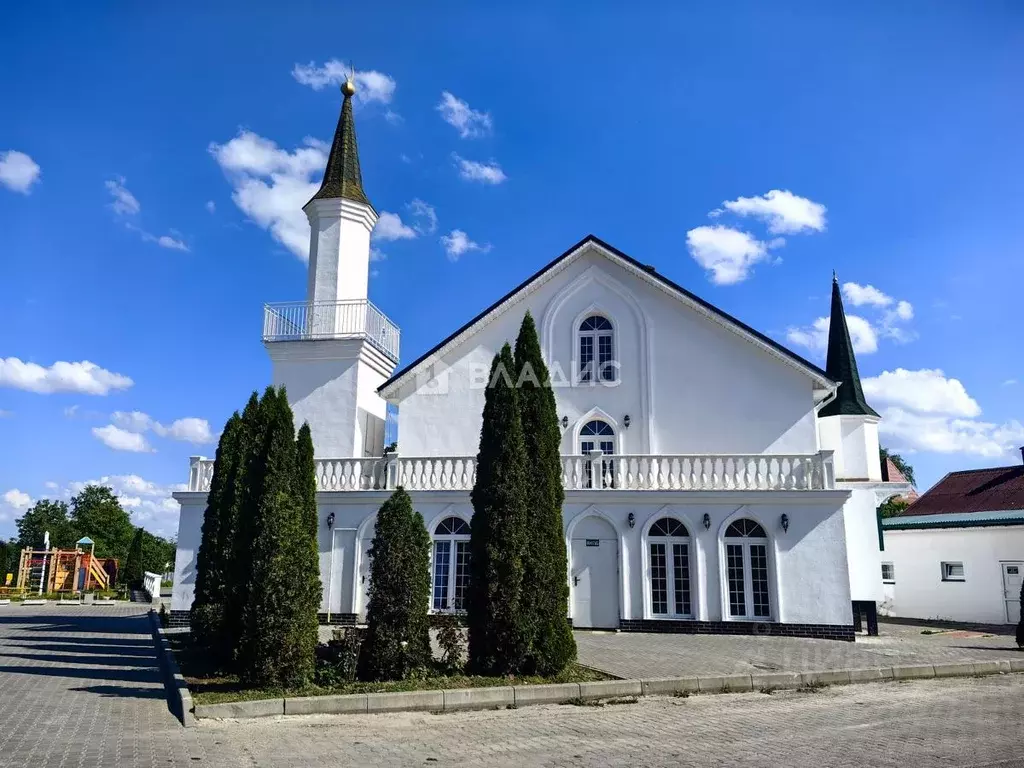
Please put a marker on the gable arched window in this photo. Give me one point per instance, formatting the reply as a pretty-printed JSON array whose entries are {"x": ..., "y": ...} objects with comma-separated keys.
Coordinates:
[
  {"x": 746, "y": 557},
  {"x": 668, "y": 544},
  {"x": 451, "y": 564},
  {"x": 597, "y": 435},
  {"x": 597, "y": 350}
]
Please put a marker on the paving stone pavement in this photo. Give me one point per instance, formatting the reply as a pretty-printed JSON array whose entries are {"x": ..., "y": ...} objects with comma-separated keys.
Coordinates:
[
  {"x": 80, "y": 686},
  {"x": 638, "y": 655}
]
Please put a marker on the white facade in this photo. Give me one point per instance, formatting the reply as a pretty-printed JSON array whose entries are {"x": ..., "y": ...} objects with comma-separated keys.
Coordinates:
[{"x": 985, "y": 588}]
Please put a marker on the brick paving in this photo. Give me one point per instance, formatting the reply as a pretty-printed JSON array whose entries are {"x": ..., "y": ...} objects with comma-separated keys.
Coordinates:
[
  {"x": 640, "y": 655},
  {"x": 80, "y": 686}
]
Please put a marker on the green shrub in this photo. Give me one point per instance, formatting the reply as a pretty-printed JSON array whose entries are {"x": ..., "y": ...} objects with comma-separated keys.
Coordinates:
[
  {"x": 451, "y": 638},
  {"x": 337, "y": 661}
]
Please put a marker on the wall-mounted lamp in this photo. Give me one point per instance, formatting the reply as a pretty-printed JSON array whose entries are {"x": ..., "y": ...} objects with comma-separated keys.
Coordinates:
[
  {"x": 707, "y": 521},
  {"x": 625, "y": 421},
  {"x": 784, "y": 520},
  {"x": 631, "y": 519},
  {"x": 330, "y": 520},
  {"x": 565, "y": 422}
]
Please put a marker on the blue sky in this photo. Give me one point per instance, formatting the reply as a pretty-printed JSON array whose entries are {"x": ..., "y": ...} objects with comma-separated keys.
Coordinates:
[{"x": 151, "y": 159}]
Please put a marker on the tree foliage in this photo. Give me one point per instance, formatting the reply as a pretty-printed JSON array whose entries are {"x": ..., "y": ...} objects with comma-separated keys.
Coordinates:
[
  {"x": 1020, "y": 624},
  {"x": 96, "y": 513},
  {"x": 499, "y": 623},
  {"x": 892, "y": 507},
  {"x": 397, "y": 640},
  {"x": 213, "y": 560},
  {"x": 131, "y": 574},
  {"x": 279, "y": 622},
  {"x": 552, "y": 642},
  {"x": 46, "y": 515},
  {"x": 901, "y": 464}
]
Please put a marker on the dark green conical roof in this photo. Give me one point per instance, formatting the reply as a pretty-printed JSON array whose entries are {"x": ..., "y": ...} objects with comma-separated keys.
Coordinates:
[
  {"x": 342, "y": 177},
  {"x": 841, "y": 365}
]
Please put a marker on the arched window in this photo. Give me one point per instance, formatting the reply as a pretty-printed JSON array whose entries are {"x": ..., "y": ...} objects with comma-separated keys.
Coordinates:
[
  {"x": 597, "y": 350},
  {"x": 669, "y": 548},
  {"x": 451, "y": 542},
  {"x": 746, "y": 554},
  {"x": 598, "y": 435}
]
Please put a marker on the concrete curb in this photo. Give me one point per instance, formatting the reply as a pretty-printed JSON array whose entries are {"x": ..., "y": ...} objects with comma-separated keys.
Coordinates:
[
  {"x": 463, "y": 699},
  {"x": 181, "y": 699}
]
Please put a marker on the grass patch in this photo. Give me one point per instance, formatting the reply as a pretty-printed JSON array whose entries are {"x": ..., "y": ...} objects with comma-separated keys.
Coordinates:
[
  {"x": 208, "y": 687},
  {"x": 933, "y": 631},
  {"x": 815, "y": 686}
]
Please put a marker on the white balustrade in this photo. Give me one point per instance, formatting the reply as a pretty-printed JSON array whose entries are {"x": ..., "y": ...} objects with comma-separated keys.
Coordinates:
[
  {"x": 301, "y": 321},
  {"x": 681, "y": 472}
]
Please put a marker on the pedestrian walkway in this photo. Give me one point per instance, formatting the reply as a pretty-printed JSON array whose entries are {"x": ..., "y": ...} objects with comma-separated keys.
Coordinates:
[{"x": 635, "y": 655}]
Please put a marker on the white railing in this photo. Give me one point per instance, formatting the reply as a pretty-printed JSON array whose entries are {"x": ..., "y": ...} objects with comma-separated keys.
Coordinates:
[
  {"x": 151, "y": 583},
  {"x": 596, "y": 471},
  {"x": 302, "y": 320}
]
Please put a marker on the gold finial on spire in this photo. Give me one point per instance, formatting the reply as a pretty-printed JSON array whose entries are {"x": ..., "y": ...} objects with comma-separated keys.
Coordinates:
[{"x": 348, "y": 88}]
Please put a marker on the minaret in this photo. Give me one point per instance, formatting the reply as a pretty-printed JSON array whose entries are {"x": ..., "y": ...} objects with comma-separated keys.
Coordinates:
[
  {"x": 333, "y": 350},
  {"x": 847, "y": 424}
]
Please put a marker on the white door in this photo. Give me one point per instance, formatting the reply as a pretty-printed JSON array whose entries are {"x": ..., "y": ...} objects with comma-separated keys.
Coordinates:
[
  {"x": 595, "y": 571},
  {"x": 1012, "y": 573}
]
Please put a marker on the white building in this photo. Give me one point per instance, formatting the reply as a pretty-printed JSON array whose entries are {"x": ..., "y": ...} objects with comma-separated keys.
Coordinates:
[
  {"x": 715, "y": 481},
  {"x": 957, "y": 553}
]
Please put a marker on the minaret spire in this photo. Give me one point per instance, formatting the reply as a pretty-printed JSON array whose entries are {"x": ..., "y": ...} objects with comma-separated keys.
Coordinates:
[
  {"x": 841, "y": 364},
  {"x": 342, "y": 177}
]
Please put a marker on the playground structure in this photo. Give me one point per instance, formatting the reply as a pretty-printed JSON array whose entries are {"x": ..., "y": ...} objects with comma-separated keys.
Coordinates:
[{"x": 64, "y": 570}]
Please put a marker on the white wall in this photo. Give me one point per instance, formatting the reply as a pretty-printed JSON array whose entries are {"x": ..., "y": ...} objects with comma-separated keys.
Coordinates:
[
  {"x": 809, "y": 580},
  {"x": 861, "y": 524},
  {"x": 688, "y": 385},
  {"x": 919, "y": 591}
]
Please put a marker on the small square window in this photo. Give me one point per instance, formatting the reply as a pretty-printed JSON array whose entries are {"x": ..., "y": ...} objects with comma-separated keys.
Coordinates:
[
  {"x": 888, "y": 573},
  {"x": 953, "y": 572}
]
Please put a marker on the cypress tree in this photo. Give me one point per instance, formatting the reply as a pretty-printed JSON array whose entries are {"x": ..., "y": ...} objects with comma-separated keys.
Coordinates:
[
  {"x": 398, "y": 630},
  {"x": 304, "y": 545},
  {"x": 276, "y": 647},
  {"x": 499, "y": 630},
  {"x": 241, "y": 501},
  {"x": 1020, "y": 624},
  {"x": 213, "y": 558},
  {"x": 552, "y": 645},
  {"x": 132, "y": 573}
]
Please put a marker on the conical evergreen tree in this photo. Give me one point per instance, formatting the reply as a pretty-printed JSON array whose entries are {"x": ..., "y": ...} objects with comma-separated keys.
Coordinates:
[
  {"x": 212, "y": 559},
  {"x": 552, "y": 644},
  {"x": 304, "y": 558},
  {"x": 1020, "y": 624},
  {"x": 398, "y": 629},
  {"x": 276, "y": 648},
  {"x": 243, "y": 497},
  {"x": 499, "y": 632},
  {"x": 132, "y": 573}
]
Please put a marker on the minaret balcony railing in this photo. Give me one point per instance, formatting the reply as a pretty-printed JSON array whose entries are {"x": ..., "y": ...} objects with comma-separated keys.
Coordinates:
[{"x": 311, "y": 321}]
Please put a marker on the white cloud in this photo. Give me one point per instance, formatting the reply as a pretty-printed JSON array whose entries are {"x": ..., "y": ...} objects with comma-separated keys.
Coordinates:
[
  {"x": 425, "y": 215},
  {"x": 376, "y": 254},
  {"x": 82, "y": 377},
  {"x": 190, "y": 429},
  {"x": 1009, "y": 382},
  {"x": 211, "y": 207},
  {"x": 488, "y": 173},
  {"x": 370, "y": 84},
  {"x": 926, "y": 411},
  {"x": 17, "y": 499},
  {"x": 271, "y": 184},
  {"x": 727, "y": 254},
  {"x": 124, "y": 202},
  {"x": 467, "y": 121},
  {"x": 121, "y": 439},
  {"x": 18, "y": 171},
  {"x": 858, "y": 295},
  {"x": 390, "y": 227},
  {"x": 926, "y": 391},
  {"x": 5, "y": 414},
  {"x": 458, "y": 243},
  {"x": 815, "y": 336},
  {"x": 166, "y": 241},
  {"x": 785, "y": 212}
]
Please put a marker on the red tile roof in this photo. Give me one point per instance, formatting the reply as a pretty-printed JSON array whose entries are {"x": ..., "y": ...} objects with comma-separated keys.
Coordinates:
[
  {"x": 891, "y": 474},
  {"x": 974, "y": 490}
]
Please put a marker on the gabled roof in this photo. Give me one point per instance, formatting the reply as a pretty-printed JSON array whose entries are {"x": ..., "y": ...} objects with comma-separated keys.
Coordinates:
[
  {"x": 841, "y": 365},
  {"x": 646, "y": 271},
  {"x": 342, "y": 177},
  {"x": 976, "y": 491}
]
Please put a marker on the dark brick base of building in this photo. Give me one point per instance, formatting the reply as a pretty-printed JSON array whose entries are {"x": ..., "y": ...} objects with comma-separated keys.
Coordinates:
[
  {"x": 338, "y": 619},
  {"x": 767, "y": 629}
]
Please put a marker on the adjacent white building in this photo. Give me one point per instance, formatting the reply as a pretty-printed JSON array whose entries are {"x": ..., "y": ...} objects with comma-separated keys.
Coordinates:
[
  {"x": 715, "y": 481},
  {"x": 957, "y": 553}
]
